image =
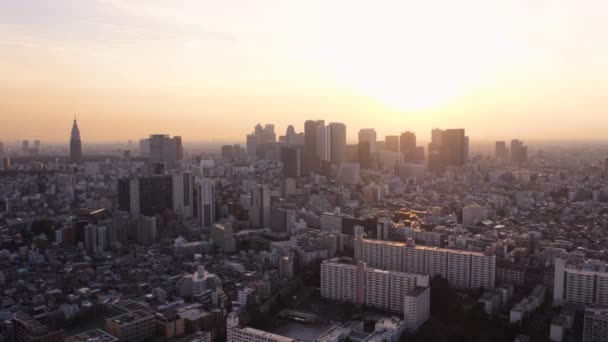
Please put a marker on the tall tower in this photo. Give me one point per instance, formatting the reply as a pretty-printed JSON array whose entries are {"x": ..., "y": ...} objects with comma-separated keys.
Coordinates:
[{"x": 75, "y": 145}]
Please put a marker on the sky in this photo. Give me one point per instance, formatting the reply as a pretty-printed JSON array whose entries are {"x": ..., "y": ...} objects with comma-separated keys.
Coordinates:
[{"x": 211, "y": 70}]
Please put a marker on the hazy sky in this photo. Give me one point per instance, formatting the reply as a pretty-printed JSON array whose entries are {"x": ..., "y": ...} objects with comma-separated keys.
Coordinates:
[{"x": 211, "y": 70}]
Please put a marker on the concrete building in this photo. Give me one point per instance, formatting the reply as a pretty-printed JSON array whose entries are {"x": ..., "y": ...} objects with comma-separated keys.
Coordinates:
[
  {"x": 462, "y": 269},
  {"x": 27, "y": 329},
  {"x": 584, "y": 285},
  {"x": 259, "y": 212},
  {"x": 417, "y": 308},
  {"x": 237, "y": 333},
  {"x": 595, "y": 327},
  {"x": 337, "y": 142},
  {"x": 223, "y": 237},
  {"x": 206, "y": 200},
  {"x": 183, "y": 193},
  {"x": 133, "y": 326}
]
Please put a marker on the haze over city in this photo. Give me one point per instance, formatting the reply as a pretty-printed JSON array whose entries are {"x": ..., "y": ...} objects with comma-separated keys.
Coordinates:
[
  {"x": 303, "y": 171},
  {"x": 209, "y": 71}
]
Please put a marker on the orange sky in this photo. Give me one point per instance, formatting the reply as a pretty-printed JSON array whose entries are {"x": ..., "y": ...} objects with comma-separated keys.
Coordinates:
[{"x": 210, "y": 70}]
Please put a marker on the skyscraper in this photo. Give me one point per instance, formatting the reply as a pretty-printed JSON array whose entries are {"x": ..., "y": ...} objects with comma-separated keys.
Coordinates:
[
  {"x": 75, "y": 145},
  {"x": 259, "y": 212},
  {"x": 519, "y": 152},
  {"x": 311, "y": 157},
  {"x": 206, "y": 199},
  {"x": 407, "y": 145},
  {"x": 164, "y": 149},
  {"x": 391, "y": 143},
  {"x": 291, "y": 157},
  {"x": 453, "y": 147},
  {"x": 500, "y": 151},
  {"x": 367, "y": 146},
  {"x": 337, "y": 142}
]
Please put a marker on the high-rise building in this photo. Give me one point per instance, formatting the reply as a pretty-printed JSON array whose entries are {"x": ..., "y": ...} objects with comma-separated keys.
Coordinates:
[
  {"x": 391, "y": 143},
  {"x": 453, "y": 147},
  {"x": 367, "y": 146},
  {"x": 407, "y": 145},
  {"x": 291, "y": 157},
  {"x": 146, "y": 195},
  {"x": 519, "y": 152},
  {"x": 462, "y": 269},
  {"x": 595, "y": 328},
  {"x": 337, "y": 142},
  {"x": 75, "y": 145},
  {"x": 585, "y": 285},
  {"x": 259, "y": 212},
  {"x": 183, "y": 193},
  {"x": 417, "y": 308},
  {"x": 223, "y": 236},
  {"x": 164, "y": 149},
  {"x": 206, "y": 200},
  {"x": 324, "y": 143},
  {"x": 311, "y": 156},
  {"x": 95, "y": 238},
  {"x": 500, "y": 151}
]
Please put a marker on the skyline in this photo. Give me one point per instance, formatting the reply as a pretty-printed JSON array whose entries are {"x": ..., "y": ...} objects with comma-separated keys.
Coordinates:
[{"x": 210, "y": 72}]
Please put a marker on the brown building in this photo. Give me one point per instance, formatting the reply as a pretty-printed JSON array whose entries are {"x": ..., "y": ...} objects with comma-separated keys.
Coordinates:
[
  {"x": 133, "y": 326},
  {"x": 27, "y": 329}
]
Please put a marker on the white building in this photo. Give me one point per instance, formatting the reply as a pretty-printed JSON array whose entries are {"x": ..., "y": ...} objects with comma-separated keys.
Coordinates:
[
  {"x": 417, "y": 307},
  {"x": 236, "y": 333},
  {"x": 580, "y": 286},
  {"x": 462, "y": 269}
]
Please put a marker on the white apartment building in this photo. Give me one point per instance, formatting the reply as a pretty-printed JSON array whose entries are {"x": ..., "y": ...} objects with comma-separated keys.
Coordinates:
[
  {"x": 581, "y": 286},
  {"x": 416, "y": 308},
  {"x": 462, "y": 269}
]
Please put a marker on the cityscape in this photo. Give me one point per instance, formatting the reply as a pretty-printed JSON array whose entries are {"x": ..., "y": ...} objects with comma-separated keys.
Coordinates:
[{"x": 275, "y": 172}]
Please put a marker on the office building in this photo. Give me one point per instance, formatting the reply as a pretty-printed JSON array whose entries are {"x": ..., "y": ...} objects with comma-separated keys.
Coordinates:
[
  {"x": 206, "y": 201},
  {"x": 416, "y": 309},
  {"x": 146, "y": 195},
  {"x": 165, "y": 150},
  {"x": 75, "y": 145},
  {"x": 311, "y": 140},
  {"x": 95, "y": 238},
  {"x": 147, "y": 229},
  {"x": 391, "y": 143},
  {"x": 183, "y": 194},
  {"x": 519, "y": 152},
  {"x": 223, "y": 237},
  {"x": 367, "y": 146},
  {"x": 500, "y": 151},
  {"x": 453, "y": 147},
  {"x": 291, "y": 157},
  {"x": 337, "y": 143},
  {"x": 259, "y": 212},
  {"x": 324, "y": 143},
  {"x": 595, "y": 328},
  {"x": 407, "y": 145}
]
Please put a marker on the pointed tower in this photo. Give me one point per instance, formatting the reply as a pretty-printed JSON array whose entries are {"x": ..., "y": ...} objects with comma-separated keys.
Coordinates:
[{"x": 75, "y": 144}]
